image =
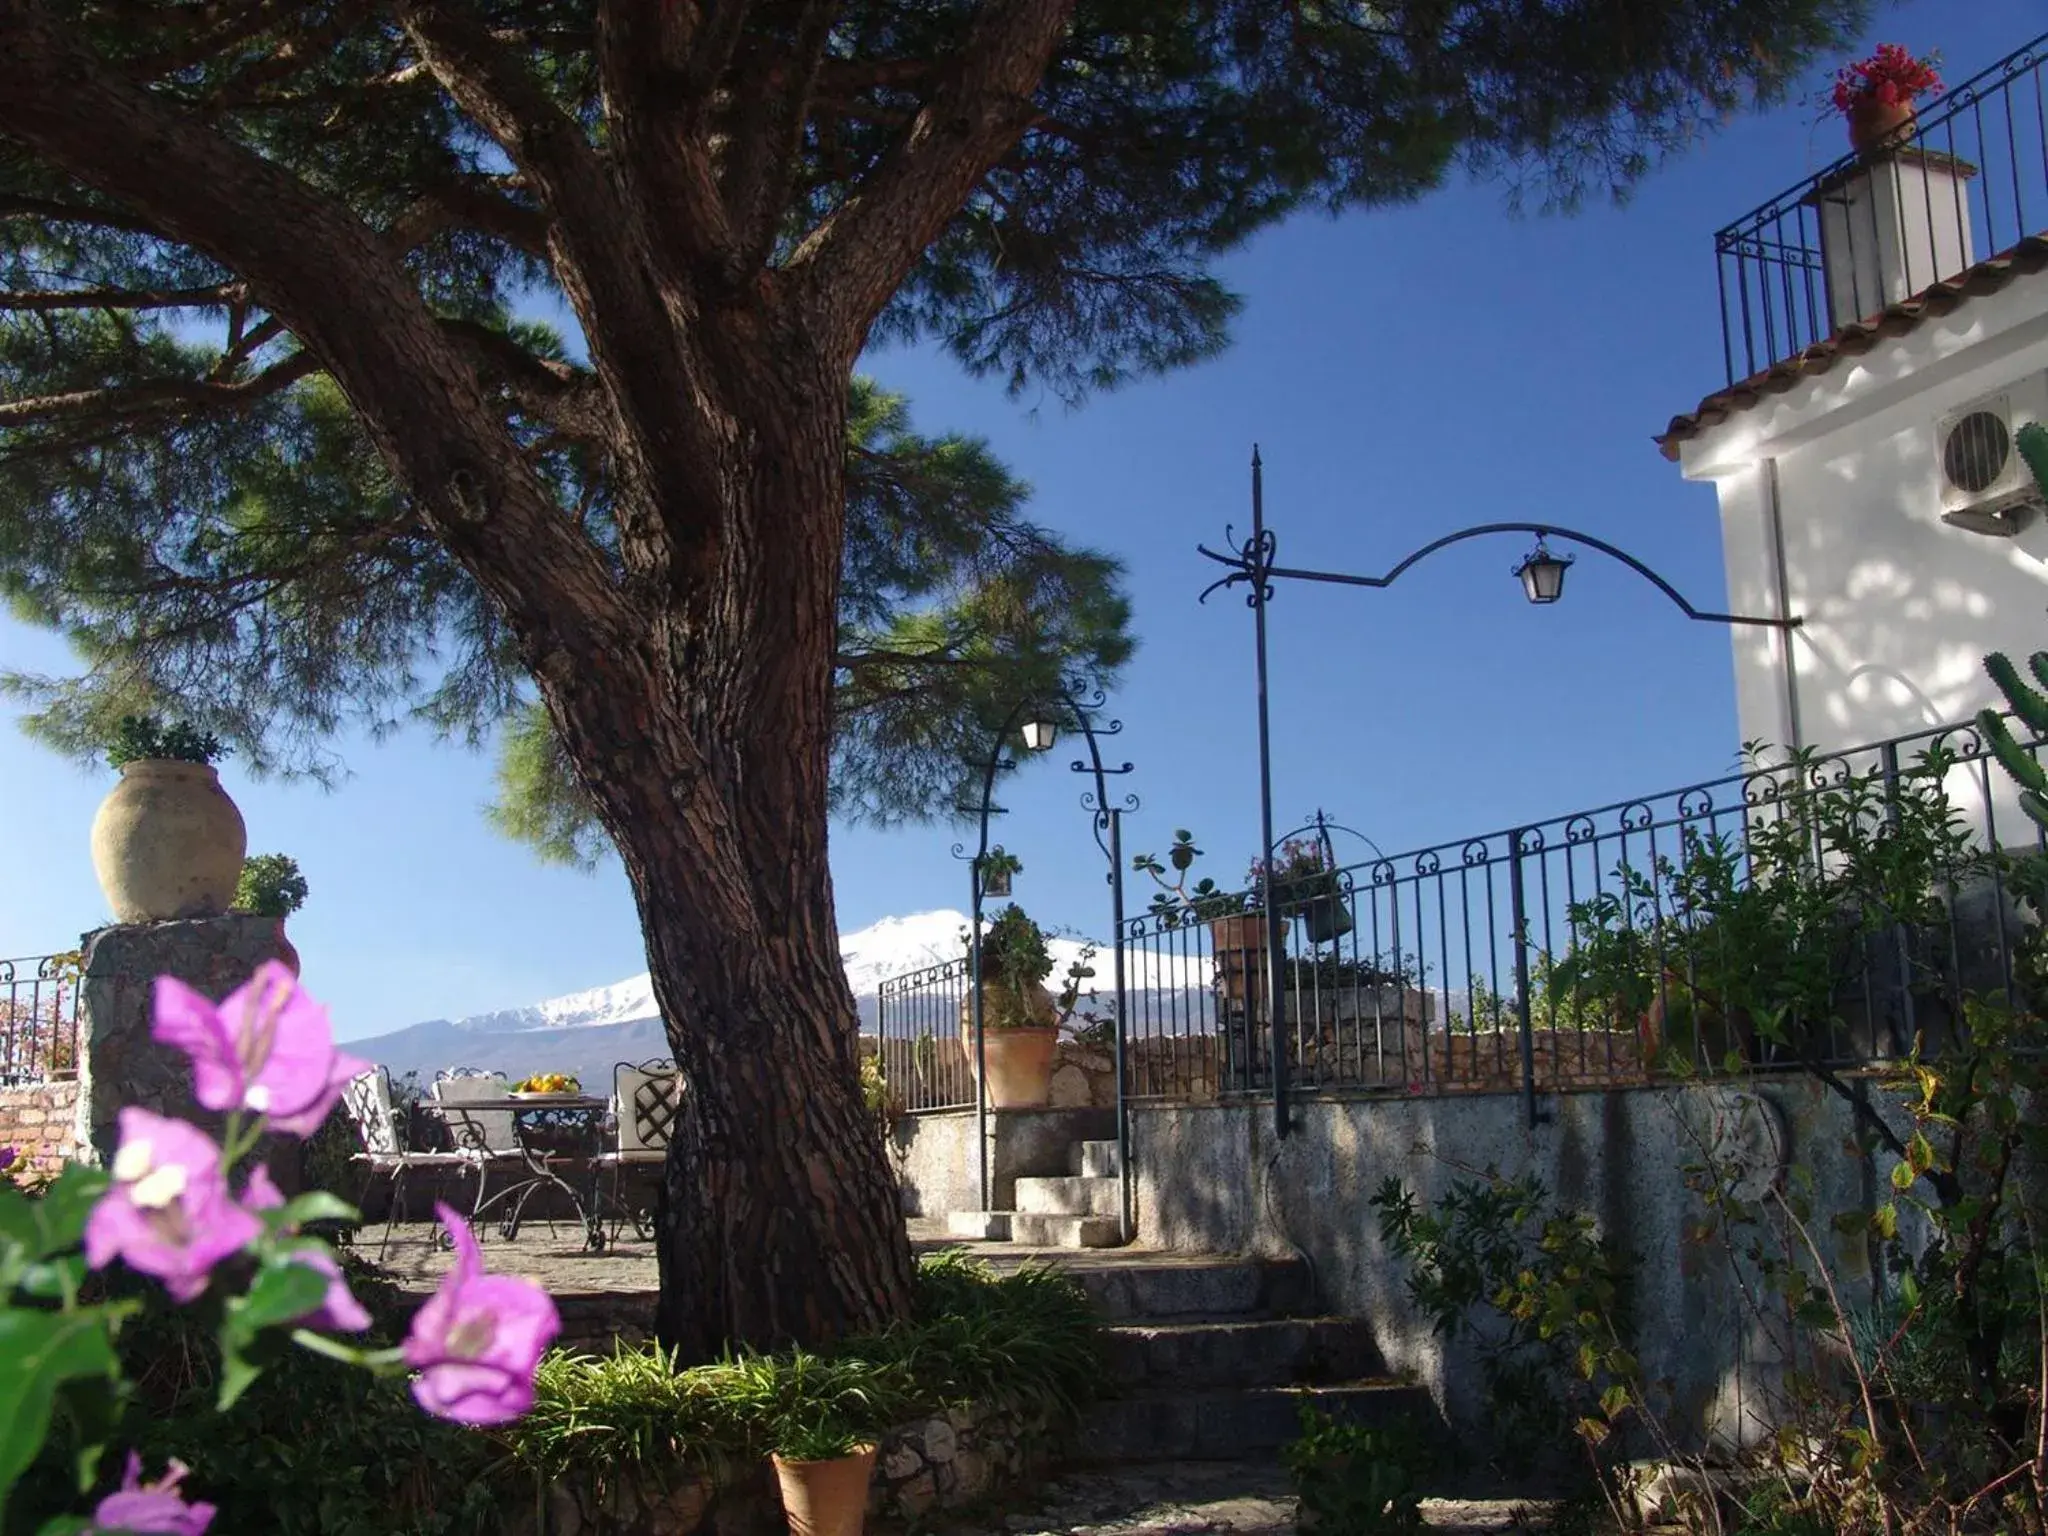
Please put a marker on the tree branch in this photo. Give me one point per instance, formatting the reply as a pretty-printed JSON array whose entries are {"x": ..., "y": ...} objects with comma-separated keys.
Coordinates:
[
  {"x": 660, "y": 64},
  {"x": 14, "y": 206},
  {"x": 850, "y": 265},
  {"x": 214, "y": 297},
  {"x": 771, "y": 104},
  {"x": 352, "y": 305},
  {"x": 566, "y": 397},
  {"x": 151, "y": 396},
  {"x": 473, "y": 202}
]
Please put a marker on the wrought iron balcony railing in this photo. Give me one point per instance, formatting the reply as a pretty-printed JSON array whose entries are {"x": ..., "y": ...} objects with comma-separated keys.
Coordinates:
[{"x": 1968, "y": 183}]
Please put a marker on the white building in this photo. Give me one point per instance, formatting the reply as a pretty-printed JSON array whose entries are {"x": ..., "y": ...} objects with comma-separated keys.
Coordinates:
[{"x": 1865, "y": 465}]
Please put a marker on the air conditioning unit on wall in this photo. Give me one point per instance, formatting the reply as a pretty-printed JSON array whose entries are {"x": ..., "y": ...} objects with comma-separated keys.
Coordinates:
[{"x": 1985, "y": 487}]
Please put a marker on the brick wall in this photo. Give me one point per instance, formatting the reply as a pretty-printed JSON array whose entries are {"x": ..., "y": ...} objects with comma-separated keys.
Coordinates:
[{"x": 38, "y": 1122}]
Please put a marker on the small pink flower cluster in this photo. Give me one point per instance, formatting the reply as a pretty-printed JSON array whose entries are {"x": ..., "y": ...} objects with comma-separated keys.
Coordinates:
[
  {"x": 267, "y": 1050},
  {"x": 1891, "y": 77}
]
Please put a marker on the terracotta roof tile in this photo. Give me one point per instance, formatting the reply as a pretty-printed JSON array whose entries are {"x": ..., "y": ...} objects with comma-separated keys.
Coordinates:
[{"x": 2030, "y": 255}]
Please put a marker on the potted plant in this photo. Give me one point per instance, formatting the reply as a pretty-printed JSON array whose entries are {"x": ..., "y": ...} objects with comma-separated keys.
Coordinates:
[
  {"x": 1305, "y": 886},
  {"x": 1876, "y": 96},
  {"x": 997, "y": 867},
  {"x": 271, "y": 886},
  {"x": 1237, "y": 930},
  {"x": 168, "y": 842},
  {"x": 823, "y": 1468},
  {"x": 1019, "y": 1016}
]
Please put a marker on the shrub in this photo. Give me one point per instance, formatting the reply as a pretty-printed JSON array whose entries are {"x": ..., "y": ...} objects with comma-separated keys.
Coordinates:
[
  {"x": 140, "y": 738},
  {"x": 270, "y": 885},
  {"x": 1356, "y": 1479},
  {"x": 1027, "y": 1340}
]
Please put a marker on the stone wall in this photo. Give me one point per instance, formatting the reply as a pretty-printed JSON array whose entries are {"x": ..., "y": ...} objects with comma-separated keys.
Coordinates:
[
  {"x": 938, "y": 1171},
  {"x": 1216, "y": 1178},
  {"x": 39, "y": 1122},
  {"x": 942, "y": 1462},
  {"x": 118, "y": 1062}
]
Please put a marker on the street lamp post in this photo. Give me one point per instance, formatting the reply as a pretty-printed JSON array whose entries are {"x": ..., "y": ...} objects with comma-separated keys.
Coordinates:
[
  {"x": 1541, "y": 574},
  {"x": 1037, "y": 725}
]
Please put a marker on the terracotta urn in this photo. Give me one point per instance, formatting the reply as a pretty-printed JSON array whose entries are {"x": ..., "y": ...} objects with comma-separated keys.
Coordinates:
[
  {"x": 168, "y": 843},
  {"x": 1875, "y": 125},
  {"x": 1020, "y": 1055},
  {"x": 1239, "y": 944},
  {"x": 287, "y": 952},
  {"x": 826, "y": 1498}
]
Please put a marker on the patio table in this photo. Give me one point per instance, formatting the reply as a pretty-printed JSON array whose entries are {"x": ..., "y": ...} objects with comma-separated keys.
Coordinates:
[{"x": 548, "y": 1130}]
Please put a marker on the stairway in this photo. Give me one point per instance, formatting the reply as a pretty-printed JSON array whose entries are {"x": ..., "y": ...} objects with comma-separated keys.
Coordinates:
[
  {"x": 1210, "y": 1358},
  {"x": 1213, "y": 1357},
  {"x": 1074, "y": 1210}
]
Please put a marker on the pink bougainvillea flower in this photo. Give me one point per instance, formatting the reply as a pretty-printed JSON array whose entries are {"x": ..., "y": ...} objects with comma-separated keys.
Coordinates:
[
  {"x": 168, "y": 1212},
  {"x": 267, "y": 1047},
  {"x": 150, "y": 1509},
  {"x": 477, "y": 1340},
  {"x": 339, "y": 1311}
]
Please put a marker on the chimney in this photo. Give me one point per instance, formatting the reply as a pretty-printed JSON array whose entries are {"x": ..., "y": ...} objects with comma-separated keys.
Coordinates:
[{"x": 1891, "y": 226}]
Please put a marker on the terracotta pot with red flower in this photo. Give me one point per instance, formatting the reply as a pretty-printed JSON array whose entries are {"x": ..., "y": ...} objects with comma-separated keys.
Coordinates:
[
  {"x": 1878, "y": 96},
  {"x": 271, "y": 886}
]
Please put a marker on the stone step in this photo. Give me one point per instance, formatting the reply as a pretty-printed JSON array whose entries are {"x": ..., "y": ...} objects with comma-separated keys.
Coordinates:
[
  {"x": 1176, "y": 1424},
  {"x": 979, "y": 1226},
  {"x": 1174, "y": 1289},
  {"x": 1097, "y": 1160},
  {"x": 1075, "y": 1196},
  {"x": 1045, "y": 1229},
  {"x": 1245, "y": 1352}
]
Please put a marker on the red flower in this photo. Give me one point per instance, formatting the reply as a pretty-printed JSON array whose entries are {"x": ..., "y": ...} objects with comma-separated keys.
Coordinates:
[{"x": 1891, "y": 77}]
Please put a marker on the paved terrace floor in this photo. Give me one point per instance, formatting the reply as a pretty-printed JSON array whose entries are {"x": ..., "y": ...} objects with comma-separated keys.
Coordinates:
[{"x": 555, "y": 1258}]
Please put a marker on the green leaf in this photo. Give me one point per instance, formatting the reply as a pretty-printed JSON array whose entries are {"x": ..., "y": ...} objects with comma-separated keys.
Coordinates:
[
  {"x": 1920, "y": 1153},
  {"x": 39, "y": 1352},
  {"x": 1852, "y": 1223},
  {"x": 1885, "y": 1219},
  {"x": 1903, "y": 1177},
  {"x": 1614, "y": 1400},
  {"x": 282, "y": 1293},
  {"x": 316, "y": 1206},
  {"x": 63, "y": 1207}
]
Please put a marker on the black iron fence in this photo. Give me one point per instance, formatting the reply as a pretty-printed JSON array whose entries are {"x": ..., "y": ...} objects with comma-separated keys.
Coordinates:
[
  {"x": 1826, "y": 910},
  {"x": 1831, "y": 910},
  {"x": 1968, "y": 182},
  {"x": 38, "y": 1019},
  {"x": 925, "y": 1064}
]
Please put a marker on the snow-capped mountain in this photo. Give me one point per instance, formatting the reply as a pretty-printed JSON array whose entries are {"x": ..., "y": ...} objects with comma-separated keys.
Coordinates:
[{"x": 586, "y": 1033}]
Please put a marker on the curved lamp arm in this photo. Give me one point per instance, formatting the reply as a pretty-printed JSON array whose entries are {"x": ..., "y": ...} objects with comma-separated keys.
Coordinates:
[{"x": 1251, "y": 564}]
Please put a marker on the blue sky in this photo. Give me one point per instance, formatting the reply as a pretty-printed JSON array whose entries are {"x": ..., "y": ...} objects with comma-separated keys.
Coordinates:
[{"x": 1405, "y": 373}]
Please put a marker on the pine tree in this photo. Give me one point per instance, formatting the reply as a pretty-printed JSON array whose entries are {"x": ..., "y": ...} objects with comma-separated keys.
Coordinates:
[{"x": 265, "y": 266}]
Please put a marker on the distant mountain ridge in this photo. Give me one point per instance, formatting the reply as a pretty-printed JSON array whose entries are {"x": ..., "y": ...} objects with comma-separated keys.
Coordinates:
[{"x": 587, "y": 1033}]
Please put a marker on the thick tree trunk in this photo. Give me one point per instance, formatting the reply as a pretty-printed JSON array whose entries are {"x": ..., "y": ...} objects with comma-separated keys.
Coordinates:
[{"x": 708, "y": 752}]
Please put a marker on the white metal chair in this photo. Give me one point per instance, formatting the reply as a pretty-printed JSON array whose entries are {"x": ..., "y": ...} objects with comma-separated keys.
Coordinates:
[
  {"x": 484, "y": 1138},
  {"x": 368, "y": 1104},
  {"x": 646, "y": 1100}
]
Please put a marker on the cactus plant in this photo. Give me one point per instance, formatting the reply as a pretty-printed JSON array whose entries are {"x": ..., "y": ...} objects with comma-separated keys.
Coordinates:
[{"x": 2024, "y": 700}]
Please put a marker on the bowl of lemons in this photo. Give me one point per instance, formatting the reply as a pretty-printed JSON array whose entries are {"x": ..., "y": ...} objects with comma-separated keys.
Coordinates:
[{"x": 547, "y": 1085}]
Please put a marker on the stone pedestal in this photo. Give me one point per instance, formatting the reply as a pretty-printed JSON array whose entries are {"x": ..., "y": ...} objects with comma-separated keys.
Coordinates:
[{"x": 118, "y": 1062}]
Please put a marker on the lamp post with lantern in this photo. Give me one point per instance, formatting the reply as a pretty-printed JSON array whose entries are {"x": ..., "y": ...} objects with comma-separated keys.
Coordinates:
[
  {"x": 1036, "y": 720},
  {"x": 1541, "y": 574}
]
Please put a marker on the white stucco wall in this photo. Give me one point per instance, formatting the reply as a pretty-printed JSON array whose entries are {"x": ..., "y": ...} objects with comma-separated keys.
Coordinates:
[{"x": 1899, "y": 608}]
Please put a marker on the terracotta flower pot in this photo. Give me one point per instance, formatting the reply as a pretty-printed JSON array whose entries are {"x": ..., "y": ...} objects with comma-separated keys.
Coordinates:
[
  {"x": 1239, "y": 945},
  {"x": 826, "y": 1498},
  {"x": 1875, "y": 125},
  {"x": 1019, "y": 1055},
  {"x": 168, "y": 843},
  {"x": 286, "y": 950}
]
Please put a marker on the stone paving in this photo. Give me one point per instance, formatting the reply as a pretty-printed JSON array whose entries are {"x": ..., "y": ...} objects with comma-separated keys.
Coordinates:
[
  {"x": 556, "y": 1258},
  {"x": 1185, "y": 1498}
]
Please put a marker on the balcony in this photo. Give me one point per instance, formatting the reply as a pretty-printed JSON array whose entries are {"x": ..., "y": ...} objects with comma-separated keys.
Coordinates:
[{"x": 1869, "y": 232}]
